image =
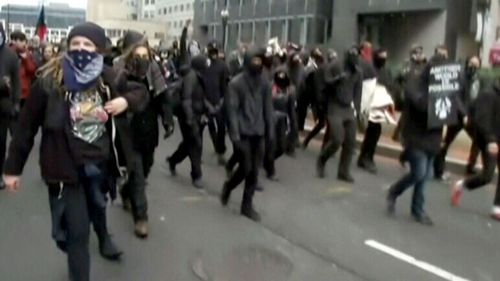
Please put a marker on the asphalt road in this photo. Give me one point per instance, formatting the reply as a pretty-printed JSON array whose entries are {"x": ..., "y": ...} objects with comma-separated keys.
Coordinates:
[{"x": 311, "y": 229}]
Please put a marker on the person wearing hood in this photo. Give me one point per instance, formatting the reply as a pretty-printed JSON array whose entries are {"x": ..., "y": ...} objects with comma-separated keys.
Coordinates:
[
  {"x": 285, "y": 121},
  {"x": 85, "y": 148},
  {"x": 10, "y": 93},
  {"x": 250, "y": 117},
  {"x": 191, "y": 120},
  {"x": 485, "y": 119},
  {"x": 420, "y": 142},
  {"x": 374, "y": 129},
  {"x": 137, "y": 65},
  {"x": 216, "y": 79},
  {"x": 343, "y": 85}
]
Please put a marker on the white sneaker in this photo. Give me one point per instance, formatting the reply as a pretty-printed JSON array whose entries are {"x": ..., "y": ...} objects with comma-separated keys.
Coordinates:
[{"x": 495, "y": 213}]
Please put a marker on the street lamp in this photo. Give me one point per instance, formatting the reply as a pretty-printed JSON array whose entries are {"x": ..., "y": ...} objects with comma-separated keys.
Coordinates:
[{"x": 224, "y": 15}]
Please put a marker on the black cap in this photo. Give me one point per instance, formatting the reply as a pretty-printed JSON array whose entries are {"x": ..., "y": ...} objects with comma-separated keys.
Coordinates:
[{"x": 92, "y": 31}]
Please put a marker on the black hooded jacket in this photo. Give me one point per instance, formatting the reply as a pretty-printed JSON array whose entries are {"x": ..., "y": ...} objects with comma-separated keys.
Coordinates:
[
  {"x": 193, "y": 92},
  {"x": 249, "y": 103},
  {"x": 10, "y": 90},
  {"x": 343, "y": 86},
  {"x": 486, "y": 118}
]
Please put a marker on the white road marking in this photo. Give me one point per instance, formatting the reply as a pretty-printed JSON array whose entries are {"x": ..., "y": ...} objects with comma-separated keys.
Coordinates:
[{"x": 413, "y": 261}]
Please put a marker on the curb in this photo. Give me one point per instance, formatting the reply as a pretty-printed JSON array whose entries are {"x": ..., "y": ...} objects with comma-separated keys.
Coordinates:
[{"x": 453, "y": 165}]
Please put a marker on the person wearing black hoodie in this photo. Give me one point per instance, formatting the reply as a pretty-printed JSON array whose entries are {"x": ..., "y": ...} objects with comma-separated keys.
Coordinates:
[
  {"x": 343, "y": 85},
  {"x": 138, "y": 66},
  {"x": 10, "y": 93},
  {"x": 250, "y": 117},
  {"x": 374, "y": 130},
  {"x": 191, "y": 119},
  {"x": 216, "y": 79},
  {"x": 421, "y": 143},
  {"x": 485, "y": 120}
]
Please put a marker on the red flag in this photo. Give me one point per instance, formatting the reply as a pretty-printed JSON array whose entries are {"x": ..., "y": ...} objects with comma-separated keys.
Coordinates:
[{"x": 41, "y": 26}]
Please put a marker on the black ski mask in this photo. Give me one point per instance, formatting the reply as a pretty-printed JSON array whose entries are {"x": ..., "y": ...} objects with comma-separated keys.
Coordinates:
[
  {"x": 139, "y": 66},
  {"x": 281, "y": 79},
  {"x": 254, "y": 61},
  {"x": 379, "y": 62}
]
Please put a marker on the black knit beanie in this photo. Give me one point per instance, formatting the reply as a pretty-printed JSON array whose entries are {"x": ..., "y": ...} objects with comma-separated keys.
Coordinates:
[
  {"x": 92, "y": 31},
  {"x": 131, "y": 39}
]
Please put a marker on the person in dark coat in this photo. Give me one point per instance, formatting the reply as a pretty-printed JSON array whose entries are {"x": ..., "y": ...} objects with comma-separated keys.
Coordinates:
[
  {"x": 10, "y": 93},
  {"x": 216, "y": 79},
  {"x": 374, "y": 130},
  {"x": 236, "y": 60},
  {"x": 421, "y": 143},
  {"x": 250, "y": 116},
  {"x": 138, "y": 66},
  {"x": 343, "y": 85},
  {"x": 192, "y": 119},
  {"x": 485, "y": 119},
  {"x": 285, "y": 120},
  {"x": 78, "y": 103}
]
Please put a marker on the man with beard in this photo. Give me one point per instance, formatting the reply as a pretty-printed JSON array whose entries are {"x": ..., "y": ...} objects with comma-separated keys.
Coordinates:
[
  {"x": 250, "y": 117},
  {"x": 10, "y": 92},
  {"x": 343, "y": 85},
  {"x": 190, "y": 120},
  {"x": 215, "y": 80}
]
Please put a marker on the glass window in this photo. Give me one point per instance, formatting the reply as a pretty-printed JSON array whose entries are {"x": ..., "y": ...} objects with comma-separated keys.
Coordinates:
[
  {"x": 159, "y": 35},
  {"x": 175, "y": 8},
  {"x": 146, "y": 15},
  {"x": 261, "y": 33},
  {"x": 188, "y": 6},
  {"x": 146, "y": 2},
  {"x": 170, "y": 9},
  {"x": 246, "y": 32},
  {"x": 181, "y": 8},
  {"x": 152, "y": 2},
  {"x": 295, "y": 31},
  {"x": 175, "y": 24},
  {"x": 164, "y": 11}
]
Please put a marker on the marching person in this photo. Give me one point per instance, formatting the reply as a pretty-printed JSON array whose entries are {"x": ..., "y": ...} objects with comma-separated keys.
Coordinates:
[
  {"x": 421, "y": 143},
  {"x": 250, "y": 117},
  {"x": 137, "y": 65},
  {"x": 191, "y": 120},
  {"x": 78, "y": 107},
  {"x": 19, "y": 43},
  {"x": 10, "y": 93},
  {"x": 343, "y": 94}
]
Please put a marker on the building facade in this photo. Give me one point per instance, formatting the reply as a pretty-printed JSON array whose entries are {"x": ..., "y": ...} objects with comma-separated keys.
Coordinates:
[
  {"x": 175, "y": 14},
  {"x": 60, "y": 18},
  {"x": 127, "y": 15}
]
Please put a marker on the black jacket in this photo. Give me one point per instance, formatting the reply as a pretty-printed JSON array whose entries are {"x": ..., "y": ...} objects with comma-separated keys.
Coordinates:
[
  {"x": 11, "y": 89},
  {"x": 216, "y": 79},
  {"x": 249, "y": 107},
  {"x": 47, "y": 109},
  {"x": 486, "y": 119},
  {"x": 193, "y": 93},
  {"x": 342, "y": 86}
]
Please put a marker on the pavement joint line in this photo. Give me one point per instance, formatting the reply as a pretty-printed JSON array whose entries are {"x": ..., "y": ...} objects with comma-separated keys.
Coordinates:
[{"x": 413, "y": 261}]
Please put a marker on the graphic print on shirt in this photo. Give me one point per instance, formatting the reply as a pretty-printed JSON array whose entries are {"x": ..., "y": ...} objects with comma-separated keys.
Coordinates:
[{"x": 88, "y": 117}]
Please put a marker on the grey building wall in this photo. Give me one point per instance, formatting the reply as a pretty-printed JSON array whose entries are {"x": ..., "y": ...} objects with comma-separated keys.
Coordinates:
[{"x": 56, "y": 16}]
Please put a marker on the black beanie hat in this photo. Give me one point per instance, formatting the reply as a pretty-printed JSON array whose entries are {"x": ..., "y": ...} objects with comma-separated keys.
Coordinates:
[
  {"x": 131, "y": 38},
  {"x": 92, "y": 31}
]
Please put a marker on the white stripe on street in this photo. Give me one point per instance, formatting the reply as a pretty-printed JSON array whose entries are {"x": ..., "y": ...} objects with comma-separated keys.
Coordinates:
[{"x": 413, "y": 261}]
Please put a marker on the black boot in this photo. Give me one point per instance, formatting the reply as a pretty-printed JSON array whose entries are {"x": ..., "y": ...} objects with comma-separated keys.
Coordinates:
[
  {"x": 108, "y": 249},
  {"x": 320, "y": 169},
  {"x": 247, "y": 209},
  {"x": 345, "y": 177}
]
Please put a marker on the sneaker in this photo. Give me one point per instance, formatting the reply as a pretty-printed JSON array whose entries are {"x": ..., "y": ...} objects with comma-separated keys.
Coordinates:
[
  {"x": 259, "y": 188},
  {"x": 423, "y": 219},
  {"x": 443, "y": 177},
  {"x": 272, "y": 177},
  {"x": 141, "y": 229},
  {"x": 367, "y": 166},
  {"x": 457, "y": 191},
  {"x": 495, "y": 213},
  {"x": 346, "y": 178},
  {"x": 197, "y": 184},
  {"x": 391, "y": 205},
  {"x": 320, "y": 169}
]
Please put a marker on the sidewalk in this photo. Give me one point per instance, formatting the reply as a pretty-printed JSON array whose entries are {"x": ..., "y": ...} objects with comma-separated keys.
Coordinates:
[{"x": 456, "y": 159}]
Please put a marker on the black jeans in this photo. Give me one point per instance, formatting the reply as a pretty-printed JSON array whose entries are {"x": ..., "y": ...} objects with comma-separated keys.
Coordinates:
[
  {"x": 420, "y": 170},
  {"x": 135, "y": 189},
  {"x": 303, "y": 103},
  {"x": 217, "y": 130},
  {"x": 70, "y": 227},
  {"x": 191, "y": 146},
  {"x": 342, "y": 123},
  {"x": 276, "y": 147},
  {"x": 440, "y": 162},
  {"x": 369, "y": 146},
  {"x": 488, "y": 172},
  {"x": 249, "y": 150}
]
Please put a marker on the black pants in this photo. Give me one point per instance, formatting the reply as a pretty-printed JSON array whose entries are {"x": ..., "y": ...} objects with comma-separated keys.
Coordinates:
[
  {"x": 488, "y": 172},
  {"x": 4, "y": 127},
  {"x": 277, "y": 147},
  {"x": 320, "y": 124},
  {"x": 70, "y": 227},
  {"x": 440, "y": 162},
  {"x": 473, "y": 154},
  {"x": 342, "y": 123},
  {"x": 191, "y": 146},
  {"x": 249, "y": 150},
  {"x": 369, "y": 146},
  {"x": 217, "y": 130},
  {"x": 302, "y": 105},
  {"x": 135, "y": 189}
]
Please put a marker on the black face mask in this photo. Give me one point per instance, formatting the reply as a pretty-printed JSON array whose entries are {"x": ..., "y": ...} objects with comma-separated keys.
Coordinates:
[
  {"x": 379, "y": 62},
  {"x": 255, "y": 69},
  {"x": 282, "y": 82},
  {"x": 471, "y": 70},
  {"x": 140, "y": 66}
]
